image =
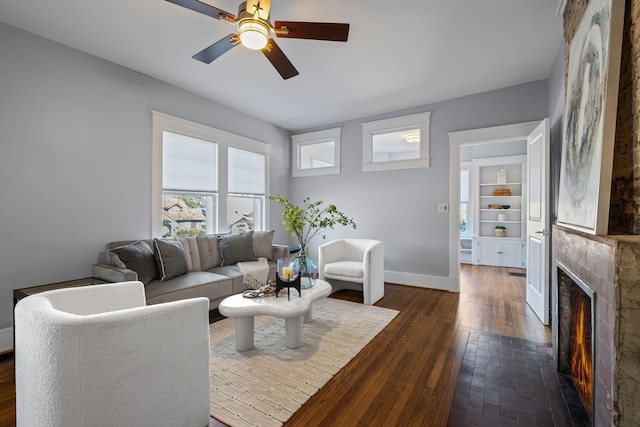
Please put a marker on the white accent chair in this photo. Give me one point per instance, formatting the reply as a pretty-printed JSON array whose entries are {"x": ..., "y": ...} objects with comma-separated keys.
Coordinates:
[
  {"x": 98, "y": 356},
  {"x": 356, "y": 264}
]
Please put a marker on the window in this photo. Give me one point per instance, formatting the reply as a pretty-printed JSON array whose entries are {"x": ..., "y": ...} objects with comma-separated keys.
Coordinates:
[
  {"x": 316, "y": 153},
  {"x": 465, "y": 207},
  {"x": 245, "y": 202},
  {"x": 189, "y": 185},
  {"x": 205, "y": 180},
  {"x": 396, "y": 143}
]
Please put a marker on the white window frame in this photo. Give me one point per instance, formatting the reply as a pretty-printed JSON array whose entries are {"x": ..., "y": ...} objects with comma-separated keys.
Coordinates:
[
  {"x": 163, "y": 122},
  {"x": 310, "y": 138},
  {"x": 414, "y": 121}
]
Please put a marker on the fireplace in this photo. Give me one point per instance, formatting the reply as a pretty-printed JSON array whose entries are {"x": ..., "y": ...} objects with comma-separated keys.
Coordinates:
[
  {"x": 576, "y": 350},
  {"x": 596, "y": 279}
]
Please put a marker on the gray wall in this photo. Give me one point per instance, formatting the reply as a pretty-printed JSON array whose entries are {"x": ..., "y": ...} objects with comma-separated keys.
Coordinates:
[
  {"x": 400, "y": 207},
  {"x": 556, "y": 113},
  {"x": 75, "y": 157}
]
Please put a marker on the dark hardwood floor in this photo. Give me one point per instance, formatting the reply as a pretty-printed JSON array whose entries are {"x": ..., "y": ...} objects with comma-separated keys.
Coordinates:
[{"x": 407, "y": 375}]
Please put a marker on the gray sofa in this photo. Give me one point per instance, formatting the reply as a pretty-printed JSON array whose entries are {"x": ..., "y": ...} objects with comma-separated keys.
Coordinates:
[{"x": 209, "y": 273}]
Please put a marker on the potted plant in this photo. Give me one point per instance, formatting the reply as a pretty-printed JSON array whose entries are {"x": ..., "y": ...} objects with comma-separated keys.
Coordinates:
[
  {"x": 306, "y": 222},
  {"x": 501, "y": 231}
]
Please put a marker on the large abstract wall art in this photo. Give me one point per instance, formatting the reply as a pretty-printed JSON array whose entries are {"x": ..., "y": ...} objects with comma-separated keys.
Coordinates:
[{"x": 590, "y": 116}]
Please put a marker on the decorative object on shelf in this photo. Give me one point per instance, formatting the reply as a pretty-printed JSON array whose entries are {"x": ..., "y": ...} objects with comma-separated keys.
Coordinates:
[
  {"x": 287, "y": 276},
  {"x": 304, "y": 223},
  {"x": 495, "y": 206},
  {"x": 501, "y": 192},
  {"x": 505, "y": 206},
  {"x": 502, "y": 176},
  {"x": 502, "y": 217},
  {"x": 501, "y": 231}
]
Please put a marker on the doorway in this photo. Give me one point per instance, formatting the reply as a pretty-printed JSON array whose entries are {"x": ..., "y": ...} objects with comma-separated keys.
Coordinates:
[{"x": 476, "y": 139}]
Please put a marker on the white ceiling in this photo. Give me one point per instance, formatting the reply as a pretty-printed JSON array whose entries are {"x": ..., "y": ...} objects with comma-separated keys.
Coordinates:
[{"x": 399, "y": 54}]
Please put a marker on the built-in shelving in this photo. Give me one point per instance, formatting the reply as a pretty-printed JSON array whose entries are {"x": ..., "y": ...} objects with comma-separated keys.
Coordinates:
[
  {"x": 487, "y": 247},
  {"x": 466, "y": 249}
]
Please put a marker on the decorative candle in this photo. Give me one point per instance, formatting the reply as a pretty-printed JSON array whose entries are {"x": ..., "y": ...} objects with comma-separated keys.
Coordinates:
[{"x": 287, "y": 273}]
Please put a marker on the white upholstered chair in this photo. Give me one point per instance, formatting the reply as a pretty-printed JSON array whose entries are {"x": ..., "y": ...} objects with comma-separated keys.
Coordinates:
[
  {"x": 98, "y": 356},
  {"x": 356, "y": 264}
]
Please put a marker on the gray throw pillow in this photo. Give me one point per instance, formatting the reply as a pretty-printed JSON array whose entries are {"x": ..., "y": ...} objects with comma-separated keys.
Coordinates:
[
  {"x": 237, "y": 247},
  {"x": 263, "y": 243},
  {"x": 170, "y": 258},
  {"x": 138, "y": 257}
]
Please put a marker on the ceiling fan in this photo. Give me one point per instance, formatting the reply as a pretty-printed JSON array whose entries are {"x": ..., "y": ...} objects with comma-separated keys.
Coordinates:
[{"x": 254, "y": 26}]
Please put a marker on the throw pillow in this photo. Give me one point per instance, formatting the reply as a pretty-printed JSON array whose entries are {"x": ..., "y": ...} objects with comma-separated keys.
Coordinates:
[
  {"x": 138, "y": 257},
  {"x": 237, "y": 247},
  {"x": 263, "y": 244},
  {"x": 170, "y": 258}
]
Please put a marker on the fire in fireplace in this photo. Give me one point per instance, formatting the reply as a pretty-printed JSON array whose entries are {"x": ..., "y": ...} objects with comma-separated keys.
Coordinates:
[
  {"x": 581, "y": 357},
  {"x": 575, "y": 335}
]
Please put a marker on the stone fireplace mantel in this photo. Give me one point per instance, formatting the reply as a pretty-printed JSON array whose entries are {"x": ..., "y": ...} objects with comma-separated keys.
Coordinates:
[{"x": 610, "y": 265}]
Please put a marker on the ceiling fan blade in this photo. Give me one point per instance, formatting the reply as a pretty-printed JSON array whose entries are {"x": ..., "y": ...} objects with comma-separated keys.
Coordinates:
[
  {"x": 204, "y": 8},
  {"x": 220, "y": 47},
  {"x": 264, "y": 6},
  {"x": 279, "y": 60},
  {"x": 312, "y": 30}
]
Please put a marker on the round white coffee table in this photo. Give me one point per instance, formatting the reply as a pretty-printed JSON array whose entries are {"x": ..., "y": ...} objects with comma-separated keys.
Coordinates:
[{"x": 295, "y": 311}]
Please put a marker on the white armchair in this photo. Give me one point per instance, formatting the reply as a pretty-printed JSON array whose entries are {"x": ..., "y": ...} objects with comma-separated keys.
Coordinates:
[
  {"x": 97, "y": 355},
  {"x": 354, "y": 264}
]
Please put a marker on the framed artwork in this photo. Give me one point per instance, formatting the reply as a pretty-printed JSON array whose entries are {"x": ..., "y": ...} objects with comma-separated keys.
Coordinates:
[{"x": 591, "y": 104}]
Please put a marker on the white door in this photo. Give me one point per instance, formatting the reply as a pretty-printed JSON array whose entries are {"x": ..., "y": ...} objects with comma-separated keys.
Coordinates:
[{"x": 538, "y": 223}]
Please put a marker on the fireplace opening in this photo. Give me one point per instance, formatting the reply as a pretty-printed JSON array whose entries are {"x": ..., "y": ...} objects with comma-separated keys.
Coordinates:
[
  {"x": 580, "y": 344},
  {"x": 576, "y": 307}
]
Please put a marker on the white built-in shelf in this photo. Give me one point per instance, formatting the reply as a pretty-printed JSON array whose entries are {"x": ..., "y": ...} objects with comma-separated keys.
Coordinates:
[
  {"x": 501, "y": 210},
  {"x": 499, "y": 185},
  {"x": 500, "y": 197},
  {"x": 495, "y": 220}
]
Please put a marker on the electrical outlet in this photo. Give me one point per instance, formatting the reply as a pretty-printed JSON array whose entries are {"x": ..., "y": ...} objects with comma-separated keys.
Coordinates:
[{"x": 443, "y": 207}]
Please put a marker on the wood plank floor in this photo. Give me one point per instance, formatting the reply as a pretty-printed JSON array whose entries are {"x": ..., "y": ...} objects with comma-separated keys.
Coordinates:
[{"x": 407, "y": 375}]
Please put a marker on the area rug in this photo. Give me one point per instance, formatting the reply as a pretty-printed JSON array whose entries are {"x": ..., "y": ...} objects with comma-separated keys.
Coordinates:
[{"x": 266, "y": 385}]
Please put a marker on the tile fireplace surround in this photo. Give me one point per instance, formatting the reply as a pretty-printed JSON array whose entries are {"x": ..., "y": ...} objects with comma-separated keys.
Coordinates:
[{"x": 610, "y": 266}]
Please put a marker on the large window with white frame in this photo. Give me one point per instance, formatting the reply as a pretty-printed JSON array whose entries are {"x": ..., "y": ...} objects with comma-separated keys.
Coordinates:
[
  {"x": 205, "y": 180},
  {"x": 396, "y": 143},
  {"x": 316, "y": 153}
]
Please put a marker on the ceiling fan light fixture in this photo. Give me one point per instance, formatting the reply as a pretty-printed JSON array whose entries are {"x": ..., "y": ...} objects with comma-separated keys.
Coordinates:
[{"x": 253, "y": 33}]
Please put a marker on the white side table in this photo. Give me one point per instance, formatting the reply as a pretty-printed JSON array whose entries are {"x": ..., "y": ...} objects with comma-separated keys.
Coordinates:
[{"x": 295, "y": 311}]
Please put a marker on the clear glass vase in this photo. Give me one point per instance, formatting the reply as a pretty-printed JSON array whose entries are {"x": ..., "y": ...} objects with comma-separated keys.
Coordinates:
[{"x": 307, "y": 268}]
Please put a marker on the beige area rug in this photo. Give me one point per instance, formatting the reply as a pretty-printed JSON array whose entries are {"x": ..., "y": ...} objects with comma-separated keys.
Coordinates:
[{"x": 266, "y": 385}]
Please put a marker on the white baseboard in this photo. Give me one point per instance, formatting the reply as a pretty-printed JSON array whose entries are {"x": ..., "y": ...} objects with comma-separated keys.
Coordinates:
[
  {"x": 422, "y": 280},
  {"x": 6, "y": 339}
]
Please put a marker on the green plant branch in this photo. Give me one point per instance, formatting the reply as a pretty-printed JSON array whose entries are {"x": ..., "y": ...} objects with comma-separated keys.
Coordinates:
[{"x": 306, "y": 222}]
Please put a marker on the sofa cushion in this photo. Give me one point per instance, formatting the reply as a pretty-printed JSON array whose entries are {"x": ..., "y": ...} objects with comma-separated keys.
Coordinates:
[
  {"x": 191, "y": 252},
  {"x": 170, "y": 258},
  {"x": 237, "y": 247},
  {"x": 192, "y": 285},
  {"x": 209, "y": 250},
  {"x": 137, "y": 256},
  {"x": 263, "y": 244}
]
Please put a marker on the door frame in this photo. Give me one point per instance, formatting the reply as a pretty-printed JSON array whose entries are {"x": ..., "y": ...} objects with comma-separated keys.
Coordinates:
[{"x": 505, "y": 133}]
